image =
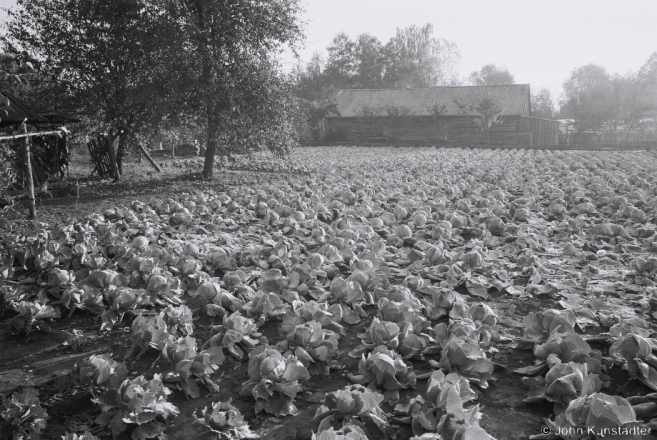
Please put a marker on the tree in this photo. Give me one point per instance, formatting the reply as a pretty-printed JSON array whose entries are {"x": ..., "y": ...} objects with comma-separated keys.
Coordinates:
[
  {"x": 587, "y": 97},
  {"x": 341, "y": 63},
  {"x": 370, "y": 65},
  {"x": 97, "y": 59},
  {"x": 415, "y": 58},
  {"x": 314, "y": 74},
  {"x": 485, "y": 109},
  {"x": 316, "y": 97},
  {"x": 14, "y": 76},
  {"x": 491, "y": 75},
  {"x": 225, "y": 56},
  {"x": 635, "y": 99},
  {"x": 173, "y": 59},
  {"x": 542, "y": 104},
  {"x": 647, "y": 76},
  {"x": 648, "y": 72}
]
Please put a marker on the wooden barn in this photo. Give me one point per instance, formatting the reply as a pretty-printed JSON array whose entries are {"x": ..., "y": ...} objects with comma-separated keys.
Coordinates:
[{"x": 459, "y": 116}]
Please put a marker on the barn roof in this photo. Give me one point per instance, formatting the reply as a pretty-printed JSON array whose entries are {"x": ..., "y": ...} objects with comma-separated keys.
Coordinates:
[
  {"x": 514, "y": 98},
  {"x": 18, "y": 111}
]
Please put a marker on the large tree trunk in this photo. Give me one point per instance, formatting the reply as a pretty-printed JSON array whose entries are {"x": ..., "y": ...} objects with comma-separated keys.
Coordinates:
[{"x": 210, "y": 151}]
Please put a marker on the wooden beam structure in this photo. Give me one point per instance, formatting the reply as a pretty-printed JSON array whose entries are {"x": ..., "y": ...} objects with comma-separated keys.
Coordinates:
[
  {"x": 27, "y": 135},
  {"x": 148, "y": 156},
  {"x": 28, "y": 172}
]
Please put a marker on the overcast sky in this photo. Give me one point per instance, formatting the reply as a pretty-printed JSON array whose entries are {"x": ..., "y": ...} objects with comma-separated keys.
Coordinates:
[{"x": 540, "y": 42}]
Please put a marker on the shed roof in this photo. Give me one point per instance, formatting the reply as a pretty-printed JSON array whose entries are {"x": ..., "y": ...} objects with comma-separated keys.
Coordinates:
[
  {"x": 17, "y": 112},
  {"x": 514, "y": 98},
  {"x": 56, "y": 118}
]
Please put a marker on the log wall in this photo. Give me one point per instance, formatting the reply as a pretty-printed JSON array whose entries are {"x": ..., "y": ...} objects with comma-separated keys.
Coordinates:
[{"x": 442, "y": 130}]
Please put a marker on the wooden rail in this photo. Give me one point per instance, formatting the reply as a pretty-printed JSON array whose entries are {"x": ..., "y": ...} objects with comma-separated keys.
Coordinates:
[{"x": 27, "y": 135}]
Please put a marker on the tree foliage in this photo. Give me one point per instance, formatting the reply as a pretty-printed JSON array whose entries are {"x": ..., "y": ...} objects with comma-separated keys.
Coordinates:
[
  {"x": 224, "y": 52},
  {"x": 412, "y": 58},
  {"x": 596, "y": 99},
  {"x": 485, "y": 109},
  {"x": 14, "y": 76},
  {"x": 315, "y": 96},
  {"x": 415, "y": 58},
  {"x": 165, "y": 62},
  {"x": 491, "y": 75},
  {"x": 647, "y": 78},
  {"x": 542, "y": 104},
  {"x": 341, "y": 62},
  {"x": 370, "y": 62},
  {"x": 98, "y": 59},
  {"x": 586, "y": 97}
]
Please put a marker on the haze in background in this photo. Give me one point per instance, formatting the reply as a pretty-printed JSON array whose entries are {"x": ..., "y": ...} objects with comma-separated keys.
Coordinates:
[{"x": 540, "y": 42}]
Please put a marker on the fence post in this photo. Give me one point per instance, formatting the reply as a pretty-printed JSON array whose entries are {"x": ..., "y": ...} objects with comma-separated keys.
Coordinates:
[
  {"x": 28, "y": 172},
  {"x": 531, "y": 143},
  {"x": 55, "y": 165}
]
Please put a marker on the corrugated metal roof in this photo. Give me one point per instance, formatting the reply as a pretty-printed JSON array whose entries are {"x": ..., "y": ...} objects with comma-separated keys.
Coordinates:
[
  {"x": 17, "y": 112},
  {"x": 514, "y": 99}
]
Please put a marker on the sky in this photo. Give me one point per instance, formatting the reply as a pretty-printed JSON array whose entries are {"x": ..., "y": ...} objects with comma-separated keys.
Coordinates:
[{"x": 539, "y": 41}]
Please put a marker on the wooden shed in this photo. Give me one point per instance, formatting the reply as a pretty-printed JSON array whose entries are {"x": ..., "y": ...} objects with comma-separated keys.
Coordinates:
[
  {"x": 18, "y": 112},
  {"x": 48, "y": 152},
  {"x": 436, "y": 116}
]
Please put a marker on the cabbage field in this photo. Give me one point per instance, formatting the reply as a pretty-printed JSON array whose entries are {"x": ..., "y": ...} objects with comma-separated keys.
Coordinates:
[{"x": 353, "y": 293}]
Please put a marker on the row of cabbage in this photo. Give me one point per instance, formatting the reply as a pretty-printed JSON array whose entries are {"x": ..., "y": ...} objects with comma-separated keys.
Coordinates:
[
  {"x": 170, "y": 331},
  {"x": 451, "y": 230}
]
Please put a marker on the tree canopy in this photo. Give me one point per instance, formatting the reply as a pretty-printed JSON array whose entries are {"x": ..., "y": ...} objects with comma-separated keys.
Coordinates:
[
  {"x": 225, "y": 52},
  {"x": 491, "y": 75},
  {"x": 211, "y": 61},
  {"x": 102, "y": 60},
  {"x": 597, "y": 99},
  {"x": 412, "y": 58},
  {"x": 542, "y": 104},
  {"x": 415, "y": 58}
]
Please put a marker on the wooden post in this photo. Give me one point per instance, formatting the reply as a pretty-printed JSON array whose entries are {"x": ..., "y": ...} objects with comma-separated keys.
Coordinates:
[
  {"x": 173, "y": 151},
  {"x": 28, "y": 173},
  {"x": 150, "y": 159},
  {"x": 55, "y": 165},
  {"x": 108, "y": 140}
]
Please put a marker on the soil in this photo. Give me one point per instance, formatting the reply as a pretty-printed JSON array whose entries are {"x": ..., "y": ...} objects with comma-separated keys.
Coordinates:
[{"x": 44, "y": 361}]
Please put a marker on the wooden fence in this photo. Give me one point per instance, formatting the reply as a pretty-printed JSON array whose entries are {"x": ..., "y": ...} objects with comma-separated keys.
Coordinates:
[
  {"x": 606, "y": 137},
  {"x": 540, "y": 132}
]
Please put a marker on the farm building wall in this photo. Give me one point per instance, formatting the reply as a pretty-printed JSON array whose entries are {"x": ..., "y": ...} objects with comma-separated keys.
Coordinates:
[
  {"x": 431, "y": 130},
  {"x": 542, "y": 131}
]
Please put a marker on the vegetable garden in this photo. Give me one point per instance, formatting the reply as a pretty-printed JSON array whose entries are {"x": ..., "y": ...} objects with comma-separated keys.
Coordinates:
[{"x": 361, "y": 293}]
